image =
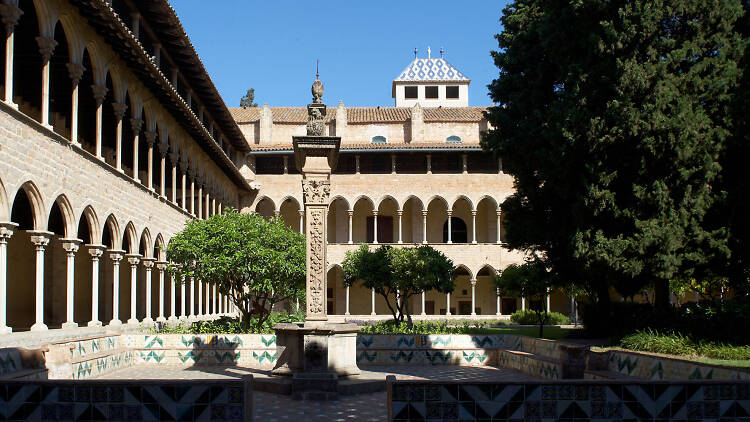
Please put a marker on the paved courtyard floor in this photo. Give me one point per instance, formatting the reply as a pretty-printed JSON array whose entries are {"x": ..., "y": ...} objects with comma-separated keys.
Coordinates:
[{"x": 369, "y": 407}]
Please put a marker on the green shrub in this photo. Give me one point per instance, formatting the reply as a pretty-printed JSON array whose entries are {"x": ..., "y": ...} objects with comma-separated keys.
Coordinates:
[
  {"x": 529, "y": 317},
  {"x": 672, "y": 343},
  {"x": 227, "y": 325}
]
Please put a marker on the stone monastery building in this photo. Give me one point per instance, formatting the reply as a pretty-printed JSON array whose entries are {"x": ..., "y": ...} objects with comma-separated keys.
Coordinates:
[{"x": 113, "y": 136}]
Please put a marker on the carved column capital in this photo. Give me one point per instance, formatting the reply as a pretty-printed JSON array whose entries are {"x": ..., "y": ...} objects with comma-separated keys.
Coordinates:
[
  {"x": 473, "y": 282},
  {"x": 100, "y": 92},
  {"x": 316, "y": 191},
  {"x": 6, "y": 231},
  {"x": 10, "y": 15},
  {"x": 161, "y": 265},
  {"x": 148, "y": 263},
  {"x": 174, "y": 156},
  {"x": 424, "y": 213},
  {"x": 75, "y": 72},
  {"x": 119, "y": 110},
  {"x": 96, "y": 251},
  {"x": 136, "y": 124},
  {"x": 163, "y": 149},
  {"x": 71, "y": 245},
  {"x": 150, "y": 138},
  {"x": 449, "y": 212},
  {"x": 46, "y": 47},
  {"x": 133, "y": 259},
  {"x": 39, "y": 240},
  {"x": 473, "y": 213},
  {"x": 116, "y": 256}
]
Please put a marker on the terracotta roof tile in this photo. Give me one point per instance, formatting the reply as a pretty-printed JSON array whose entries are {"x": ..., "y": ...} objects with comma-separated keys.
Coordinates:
[{"x": 363, "y": 114}]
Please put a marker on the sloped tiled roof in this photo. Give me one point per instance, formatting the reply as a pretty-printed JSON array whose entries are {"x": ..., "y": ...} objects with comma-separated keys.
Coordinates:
[
  {"x": 385, "y": 146},
  {"x": 429, "y": 70},
  {"x": 298, "y": 115}
]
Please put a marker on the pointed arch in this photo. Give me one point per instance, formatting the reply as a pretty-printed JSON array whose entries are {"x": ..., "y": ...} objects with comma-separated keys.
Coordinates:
[
  {"x": 4, "y": 204},
  {"x": 68, "y": 216},
  {"x": 130, "y": 239},
  {"x": 414, "y": 198},
  {"x": 111, "y": 233},
  {"x": 438, "y": 198},
  {"x": 366, "y": 198},
  {"x": 465, "y": 268},
  {"x": 465, "y": 198},
  {"x": 388, "y": 197},
  {"x": 489, "y": 269},
  {"x": 258, "y": 204},
  {"x": 490, "y": 199},
  {"x": 288, "y": 198},
  {"x": 160, "y": 251},
  {"x": 100, "y": 60},
  {"x": 76, "y": 39},
  {"x": 88, "y": 223},
  {"x": 36, "y": 202},
  {"x": 144, "y": 246},
  {"x": 337, "y": 198}
]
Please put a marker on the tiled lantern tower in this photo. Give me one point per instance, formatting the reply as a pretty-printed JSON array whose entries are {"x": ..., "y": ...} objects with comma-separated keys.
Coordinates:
[{"x": 316, "y": 347}]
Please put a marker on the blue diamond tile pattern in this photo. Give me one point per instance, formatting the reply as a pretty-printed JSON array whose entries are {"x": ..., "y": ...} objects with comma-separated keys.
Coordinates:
[
  {"x": 561, "y": 401},
  {"x": 135, "y": 401},
  {"x": 427, "y": 70}
]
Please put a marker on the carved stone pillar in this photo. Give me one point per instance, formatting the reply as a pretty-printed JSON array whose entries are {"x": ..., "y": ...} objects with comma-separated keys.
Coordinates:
[
  {"x": 148, "y": 265},
  {"x": 136, "y": 125},
  {"x": 119, "y": 111},
  {"x": 75, "y": 71},
  {"x": 40, "y": 241},
  {"x": 162, "y": 266},
  {"x": 150, "y": 140},
  {"x": 100, "y": 92},
  {"x": 301, "y": 221},
  {"x": 133, "y": 260},
  {"x": 316, "y": 193},
  {"x": 6, "y": 231},
  {"x": 10, "y": 14},
  {"x": 71, "y": 247},
  {"x": 96, "y": 251},
  {"x": 46, "y": 49}
]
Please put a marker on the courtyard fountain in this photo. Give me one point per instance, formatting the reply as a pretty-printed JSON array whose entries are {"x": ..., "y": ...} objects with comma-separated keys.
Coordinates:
[{"x": 316, "y": 352}]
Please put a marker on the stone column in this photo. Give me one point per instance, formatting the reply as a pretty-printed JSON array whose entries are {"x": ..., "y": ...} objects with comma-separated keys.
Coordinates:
[
  {"x": 71, "y": 247},
  {"x": 523, "y": 303},
  {"x": 208, "y": 202},
  {"x": 163, "y": 149},
  {"x": 136, "y": 125},
  {"x": 498, "y": 226},
  {"x": 473, "y": 282},
  {"x": 46, "y": 49},
  {"x": 192, "y": 190},
  {"x": 183, "y": 178},
  {"x": 423, "y": 295},
  {"x": 100, "y": 92},
  {"x": 148, "y": 265},
  {"x": 6, "y": 231},
  {"x": 161, "y": 266},
  {"x": 119, "y": 111},
  {"x": 200, "y": 298},
  {"x": 424, "y": 227},
  {"x": 429, "y": 163},
  {"x": 464, "y": 167},
  {"x": 150, "y": 140},
  {"x": 183, "y": 315},
  {"x": 347, "y": 301},
  {"x": 301, "y": 221},
  {"x": 286, "y": 164},
  {"x": 173, "y": 157},
  {"x": 473, "y": 227},
  {"x": 40, "y": 241},
  {"x": 499, "y": 311},
  {"x": 213, "y": 205},
  {"x": 450, "y": 226},
  {"x": 375, "y": 227},
  {"x": 448, "y": 304},
  {"x": 10, "y": 15},
  {"x": 393, "y": 163},
  {"x": 191, "y": 316},
  {"x": 75, "y": 72},
  {"x": 173, "y": 298},
  {"x": 200, "y": 200},
  {"x": 400, "y": 231},
  {"x": 214, "y": 301},
  {"x": 96, "y": 251},
  {"x": 133, "y": 260},
  {"x": 373, "y": 302},
  {"x": 548, "y": 299},
  {"x": 356, "y": 164},
  {"x": 351, "y": 214}
]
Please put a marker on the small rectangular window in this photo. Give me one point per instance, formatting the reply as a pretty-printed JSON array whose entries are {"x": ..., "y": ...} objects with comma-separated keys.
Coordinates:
[
  {"x": 451, "y": 92},
  {"x": 410, "y": 92},
  {"x": 430, "y": 92}
]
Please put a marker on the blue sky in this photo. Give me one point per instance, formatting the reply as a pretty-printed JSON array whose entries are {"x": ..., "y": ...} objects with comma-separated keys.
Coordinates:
[{"x": 362, "y": 45}]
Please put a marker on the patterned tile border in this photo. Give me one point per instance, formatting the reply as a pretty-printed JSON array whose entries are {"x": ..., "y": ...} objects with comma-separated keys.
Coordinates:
[
  {"x": 568, "y": 400},
  {"x": 652, "y": 367},
  {"x": 141, "y": 400}
]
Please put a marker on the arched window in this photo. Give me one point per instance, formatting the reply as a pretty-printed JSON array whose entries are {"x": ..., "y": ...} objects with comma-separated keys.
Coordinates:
[
  {"x": 458, "y": 231},
  {"x": 453, "y": 139},
  {"x": 378, "y": 139}
]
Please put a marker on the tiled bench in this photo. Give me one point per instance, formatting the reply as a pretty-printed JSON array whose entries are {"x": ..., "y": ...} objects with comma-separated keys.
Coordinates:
[
  {"x": 136, "y": 400},
  {"x": 18, "y": 363},
  {"x": 410, "y": 400}
]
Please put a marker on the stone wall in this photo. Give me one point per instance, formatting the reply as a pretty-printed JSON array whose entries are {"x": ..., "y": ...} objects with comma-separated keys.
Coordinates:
[{"x": 654, "y": 367}]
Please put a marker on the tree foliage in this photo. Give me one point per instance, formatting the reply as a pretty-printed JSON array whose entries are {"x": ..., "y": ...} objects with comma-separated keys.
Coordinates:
[
  {"x": 397, "y": 274},
  {"x": 248, "y": 100},
  {"x": 256, "y": 262},
  {"x": 530, "y": 280},
  {"x": 611, "y": 118}
]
